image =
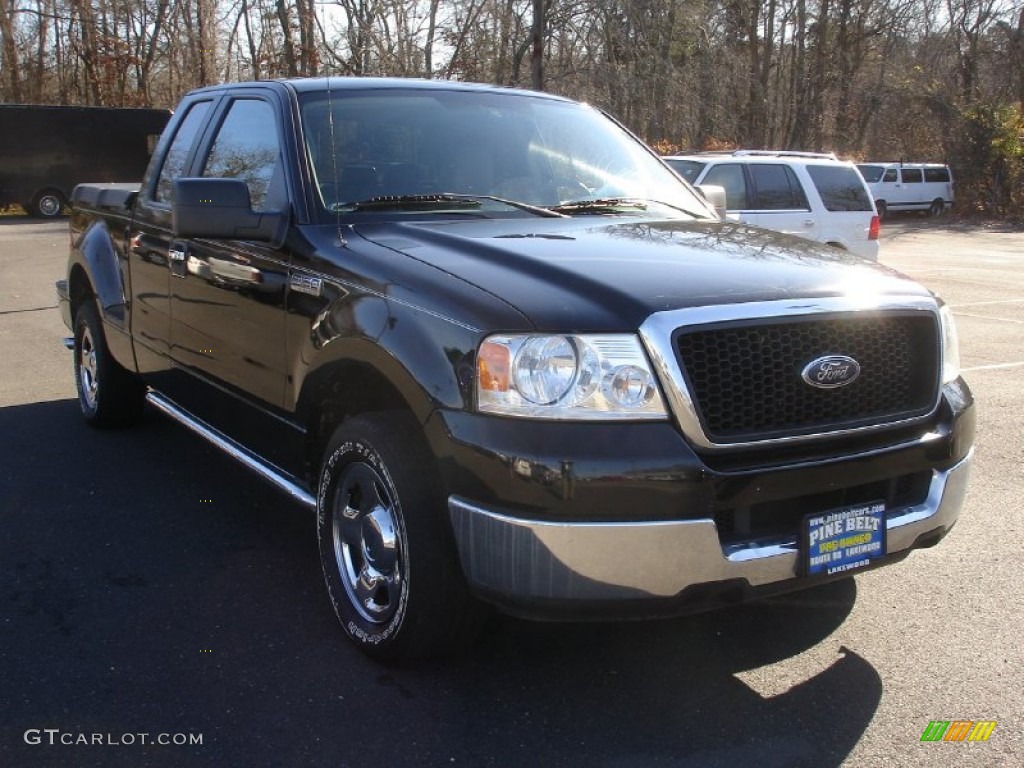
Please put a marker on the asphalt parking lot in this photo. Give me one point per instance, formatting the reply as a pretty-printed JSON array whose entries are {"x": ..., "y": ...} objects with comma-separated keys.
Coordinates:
[{"x": 151, "y": 586}]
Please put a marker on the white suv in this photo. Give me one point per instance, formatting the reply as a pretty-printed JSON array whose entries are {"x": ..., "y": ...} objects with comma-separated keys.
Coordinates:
[{"x": 808, "y": 194}]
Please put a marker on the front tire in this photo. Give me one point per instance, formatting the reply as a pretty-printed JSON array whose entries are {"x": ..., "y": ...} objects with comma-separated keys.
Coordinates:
[
  {"x": 108, "y": 395},
  {"x": 386, "y": 550}
]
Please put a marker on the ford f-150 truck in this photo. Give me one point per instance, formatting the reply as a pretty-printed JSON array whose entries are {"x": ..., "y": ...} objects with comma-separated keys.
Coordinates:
[{"x": 510, "y": 358}]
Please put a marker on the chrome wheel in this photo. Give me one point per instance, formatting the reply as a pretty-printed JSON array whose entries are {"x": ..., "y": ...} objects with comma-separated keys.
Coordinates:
[
  {"x": 367, "y": 543},
  {"x": 109, "y": 395},
  {"x": 48, "y": 205},
  {"x": 87, "y": 368},
  {"x": 380, "y": 519}
]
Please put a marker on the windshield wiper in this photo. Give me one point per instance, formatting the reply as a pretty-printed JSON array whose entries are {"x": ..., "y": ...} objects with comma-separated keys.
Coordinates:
[
  {"x": 411, "y": 203},
  {"x": 616, "y": 205},
  {"x": 441, "y": 202},
  {"x": 600, "y": 205},
  {"x": 518, "y": 204}
]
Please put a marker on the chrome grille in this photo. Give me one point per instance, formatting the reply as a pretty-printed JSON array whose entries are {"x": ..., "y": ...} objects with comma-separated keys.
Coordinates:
[{"x": 745, "y": 376}]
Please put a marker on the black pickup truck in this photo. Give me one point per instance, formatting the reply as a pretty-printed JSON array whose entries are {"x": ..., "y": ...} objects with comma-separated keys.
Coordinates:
[{"x": 510, "y": 358}]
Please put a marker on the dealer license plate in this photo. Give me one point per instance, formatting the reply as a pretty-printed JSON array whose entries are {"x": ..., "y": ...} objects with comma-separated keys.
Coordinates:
[{"x": 844, "y": 539}]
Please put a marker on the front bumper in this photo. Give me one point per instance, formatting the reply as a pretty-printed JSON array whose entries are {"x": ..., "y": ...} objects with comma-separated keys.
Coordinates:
[{"x": 646, "y": 568}]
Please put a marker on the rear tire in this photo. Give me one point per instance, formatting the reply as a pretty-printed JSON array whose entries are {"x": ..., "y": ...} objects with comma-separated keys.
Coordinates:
[
  {"x": 937, "y": 208},
  {"x": 386, "y": 548},
  {"x": 108, "y": 395}
]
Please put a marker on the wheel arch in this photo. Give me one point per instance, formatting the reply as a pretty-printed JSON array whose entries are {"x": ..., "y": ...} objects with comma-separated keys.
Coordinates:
[
  {"x": 360, "y": 383},
  {"x": 79, "y": 287},
  {"x": 368, "y": 354},
  {"x": 94, "y": 271},
  {"x": 96, "y": 255}
]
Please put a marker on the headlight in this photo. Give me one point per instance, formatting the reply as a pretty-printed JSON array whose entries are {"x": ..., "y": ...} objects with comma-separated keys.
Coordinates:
[
  {"x": 585, "y": 377},
  {"x": 950, "y": 346}
]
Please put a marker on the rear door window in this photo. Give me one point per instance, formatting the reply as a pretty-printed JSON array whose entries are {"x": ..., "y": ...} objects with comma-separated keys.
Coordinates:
[
  {"x": 841, "y": 187},
  {"x": 177, "y": 154},
  {"x": 911, "y": 175},
  {"x": 936, "y": 174}
]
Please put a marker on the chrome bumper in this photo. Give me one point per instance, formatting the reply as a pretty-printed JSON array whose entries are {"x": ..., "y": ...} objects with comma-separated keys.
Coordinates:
[{"x": 523, "y": 560}]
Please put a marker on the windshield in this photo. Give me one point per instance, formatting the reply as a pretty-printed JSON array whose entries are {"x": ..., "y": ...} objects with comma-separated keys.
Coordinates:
[
  {"x": 499, "y": 147},
  {"x": 871, "y": 173},
  {"x": 688, "y": 169}
]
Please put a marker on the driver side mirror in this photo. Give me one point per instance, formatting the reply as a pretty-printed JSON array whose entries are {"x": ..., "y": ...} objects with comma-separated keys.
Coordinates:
[
  {"x": 221, "y": 209},
  {"x": 715, "y": 195}
]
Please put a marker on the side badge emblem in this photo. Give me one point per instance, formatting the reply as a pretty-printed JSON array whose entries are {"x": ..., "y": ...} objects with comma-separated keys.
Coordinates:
[
  {"x": 313, "y": 286},
  {"x": 831, "y": 372}
]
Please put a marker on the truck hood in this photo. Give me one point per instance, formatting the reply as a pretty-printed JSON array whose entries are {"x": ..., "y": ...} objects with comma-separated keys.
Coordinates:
[{"x": 580, "y": 274}]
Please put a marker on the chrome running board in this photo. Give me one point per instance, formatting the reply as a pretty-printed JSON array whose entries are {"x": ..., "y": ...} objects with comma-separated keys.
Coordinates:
[{"x": 233, "y": 449}]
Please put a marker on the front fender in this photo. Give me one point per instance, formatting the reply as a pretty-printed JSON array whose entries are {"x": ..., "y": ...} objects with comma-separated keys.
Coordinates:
[{"x": 426, "y": 359}]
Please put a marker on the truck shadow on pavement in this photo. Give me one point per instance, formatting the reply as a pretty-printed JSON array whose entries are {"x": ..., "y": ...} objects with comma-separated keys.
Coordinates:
[
  {"x": 11, "y": 217},
  {"x": 153, "y": 586}
]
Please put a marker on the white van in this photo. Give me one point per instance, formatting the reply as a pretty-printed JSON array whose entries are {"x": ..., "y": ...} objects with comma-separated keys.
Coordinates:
[
  {"x": 909, "y": 186},
  {"x": 809, "y": 194}
]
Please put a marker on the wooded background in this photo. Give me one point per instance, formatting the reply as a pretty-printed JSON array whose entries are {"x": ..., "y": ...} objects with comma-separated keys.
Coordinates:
[{"x": 921, "y": 80}]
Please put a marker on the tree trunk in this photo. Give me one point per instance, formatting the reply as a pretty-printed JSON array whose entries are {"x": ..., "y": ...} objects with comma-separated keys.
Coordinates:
[
  {"x": 537, "y": 42},
  {"x": 12, "y": 88},
  {"x": 288, "y": 44}
]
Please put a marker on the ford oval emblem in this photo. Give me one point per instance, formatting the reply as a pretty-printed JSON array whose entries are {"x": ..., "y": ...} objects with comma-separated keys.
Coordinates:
[{"x": 831, "y": 372}]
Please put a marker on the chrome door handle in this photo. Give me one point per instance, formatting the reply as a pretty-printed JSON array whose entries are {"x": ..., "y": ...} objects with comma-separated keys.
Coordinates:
[{"x": 176, "y": 261}]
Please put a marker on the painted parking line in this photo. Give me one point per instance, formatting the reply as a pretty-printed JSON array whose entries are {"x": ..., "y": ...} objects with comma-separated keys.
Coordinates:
[
  {"x": 993, "y": 367},
  {"x": 989, "y": 317},
  {"x": 986, "y": 303}
]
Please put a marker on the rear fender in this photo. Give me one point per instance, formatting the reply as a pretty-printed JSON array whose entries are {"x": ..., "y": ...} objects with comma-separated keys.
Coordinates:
[{"x": 95, "y": 260}]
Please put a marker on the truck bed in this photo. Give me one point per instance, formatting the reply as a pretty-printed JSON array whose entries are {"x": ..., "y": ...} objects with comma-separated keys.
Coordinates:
[{"x": 113, "y": 197}]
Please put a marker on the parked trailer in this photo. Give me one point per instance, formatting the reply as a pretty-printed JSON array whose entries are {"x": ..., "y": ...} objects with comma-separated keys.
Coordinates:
[{"x": 46, "y": 150}]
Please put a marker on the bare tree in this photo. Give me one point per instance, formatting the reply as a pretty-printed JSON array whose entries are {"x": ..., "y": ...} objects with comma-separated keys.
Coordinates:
[
  {"x": 9, "y": 55},
  {"x": 864, "y": 77}
]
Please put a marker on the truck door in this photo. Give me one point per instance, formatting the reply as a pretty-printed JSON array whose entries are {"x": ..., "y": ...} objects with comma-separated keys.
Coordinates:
[
  {"x": 227, "y": 296},
  {"x": 149, "y": 243}
]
